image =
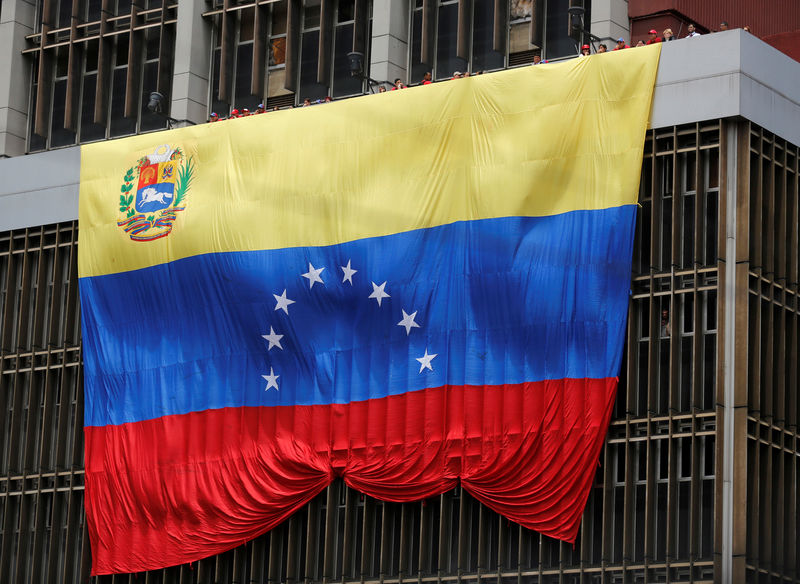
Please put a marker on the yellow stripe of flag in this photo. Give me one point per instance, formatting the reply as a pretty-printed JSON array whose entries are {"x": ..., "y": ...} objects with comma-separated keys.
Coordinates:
[{"x": 531, "y": 141}]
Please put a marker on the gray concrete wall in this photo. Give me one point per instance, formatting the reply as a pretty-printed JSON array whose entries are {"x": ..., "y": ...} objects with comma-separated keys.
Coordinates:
[
  {"x": 16, "y": 21},
  {"x": 190, "y": 76},
  {"x": 39, "y": 189},
  {"x": 389, "y": 49},
  {"x": 714, "y": 76},
  {"x": 610, "y": 20}
]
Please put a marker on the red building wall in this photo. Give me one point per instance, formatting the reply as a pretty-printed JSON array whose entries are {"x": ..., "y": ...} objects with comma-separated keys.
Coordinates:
[
  {"x": 786, "y": 42},
  {"x": 764, "y": 18}
]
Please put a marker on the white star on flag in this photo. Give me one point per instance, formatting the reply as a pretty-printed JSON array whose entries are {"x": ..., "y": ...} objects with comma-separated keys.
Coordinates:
[
  {"x": 274, "y": 339},
  {"x": 348, "y": 273},
  {"x": 313, "y": 275},
  {"x": 408, "y": 322},
  {"x": 378, "y": 293},
  {"x": 425, "y": 361},
  {"x": 283, "y": 302},
  {"x": 271, "y": 379}
]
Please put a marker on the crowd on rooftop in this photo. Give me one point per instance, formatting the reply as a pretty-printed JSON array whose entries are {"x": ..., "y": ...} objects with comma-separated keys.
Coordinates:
[{"x": 586, "y": 50}]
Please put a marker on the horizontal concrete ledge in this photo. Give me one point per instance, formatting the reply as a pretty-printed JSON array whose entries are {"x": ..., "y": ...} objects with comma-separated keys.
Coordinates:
[
  {"x": 39, "y": 188},
  {"x": 725, "y": 74},
  {"x": 714, "y": 76}
]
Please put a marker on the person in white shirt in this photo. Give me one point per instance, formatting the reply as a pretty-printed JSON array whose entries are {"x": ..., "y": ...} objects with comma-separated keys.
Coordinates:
[{"x": 692, "y": 31}]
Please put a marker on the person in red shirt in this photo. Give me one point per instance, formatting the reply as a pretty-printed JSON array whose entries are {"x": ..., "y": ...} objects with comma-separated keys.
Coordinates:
[
  {"x": 426, "y": 79},
  {"x": 621, "y": 44},
  {"x": 654, "y": 38}
]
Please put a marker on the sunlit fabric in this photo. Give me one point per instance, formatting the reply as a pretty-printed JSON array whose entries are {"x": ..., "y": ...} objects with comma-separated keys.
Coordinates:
[{"x": 406, "y": 290}]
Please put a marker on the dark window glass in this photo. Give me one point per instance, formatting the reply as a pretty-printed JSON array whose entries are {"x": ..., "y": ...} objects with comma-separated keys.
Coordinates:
[
  {"x": 278, "y": 18},
  {"x": 483, "y": 57},
  {"x": 150, "y": 120},
  {"x": 711, "y": 228},
  {"x": 346, "y": 10},
  {"x": 418, "y": 68},
  {"x": 686, "y": 373},
  {"x": 684, "y": 517},
  {"x": 311, "y": 17},
  {"x": 58, "y": 135},
  {"x": 661, "y": 521},
  {"x": 343, "y": 82},
  {"x": 309, "y": 88},
  {"x": 93, "y": 8},
  {"x": 709, "y": 370},
  {"x": 152, "y": 43},
  {"x": 619, "y": 523},
  {"x": 446, "y": 60},
  {"x": 90, "y": 55},
  {"x": 640, "y": 405},
  {"x": 120, "y": 125},
  {"x": 64, "y": 13},
  {"x": 89, "y": 130},
  {"x": 687, "y": 242},
  {"x": 706, "y": 538},
  {"x": 641, "y": 248},
  {"x": 557, "y": 43},
  {"x": 244, "y": 75},
  {"x": 641, "y": 497},
  {"x": 666, "y": 234},
  {"x": 62, "y": 61},
  {"x": 35, "y": 142},
  {"x": 217, "y": 105},
  {"x": 154, "y": 3},
  {"x": 122, "y": 50},
  {"x": 123, "y": 7},
  {"x": 246, "y": 24}
]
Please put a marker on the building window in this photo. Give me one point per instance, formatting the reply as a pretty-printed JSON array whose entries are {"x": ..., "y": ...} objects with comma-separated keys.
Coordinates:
[
  {"x": 479, "y": 28},
  {"x": 260, "y": 43},
  {"x": 93, "y": 73}
]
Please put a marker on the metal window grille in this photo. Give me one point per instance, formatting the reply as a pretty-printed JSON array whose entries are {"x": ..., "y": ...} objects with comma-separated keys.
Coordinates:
[{"x": 95, "y": 63}]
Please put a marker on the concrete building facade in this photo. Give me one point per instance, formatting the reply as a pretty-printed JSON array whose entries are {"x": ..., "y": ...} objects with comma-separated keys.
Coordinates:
[{"x": 699, "y": 479}]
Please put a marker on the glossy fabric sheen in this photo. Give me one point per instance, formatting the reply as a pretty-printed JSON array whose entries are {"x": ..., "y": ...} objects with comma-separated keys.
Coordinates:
[
  {"x": 472, "y": 285},
  {"x": 497, "y": 210},
  {"x": 530, "y": 141},
  {"x": 528, "y": 451}
]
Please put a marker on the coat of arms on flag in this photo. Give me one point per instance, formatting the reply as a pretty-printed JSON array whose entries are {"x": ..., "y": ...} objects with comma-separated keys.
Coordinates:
[{"x": 161, "y": 181}]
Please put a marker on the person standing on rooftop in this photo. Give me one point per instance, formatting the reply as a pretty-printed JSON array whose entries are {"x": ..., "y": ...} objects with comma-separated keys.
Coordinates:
[{"x": 654, "y": 38}]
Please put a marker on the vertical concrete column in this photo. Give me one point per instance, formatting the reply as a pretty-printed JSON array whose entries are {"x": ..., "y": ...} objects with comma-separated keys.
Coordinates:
[
  {"x": 16, "y": 21},
  {"x": 734, "y": 275},
  {"x": 610, "y": 20},
  {"x": 190, "y": 77},
  {"x": 389, "y": 48}
]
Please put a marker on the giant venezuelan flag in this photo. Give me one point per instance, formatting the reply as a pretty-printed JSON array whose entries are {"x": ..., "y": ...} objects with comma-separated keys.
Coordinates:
[{"x": 405, "y": 290}]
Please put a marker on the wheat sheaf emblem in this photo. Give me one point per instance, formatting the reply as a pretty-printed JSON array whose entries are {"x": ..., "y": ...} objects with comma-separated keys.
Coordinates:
[{"x": 153, "y": 193}]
